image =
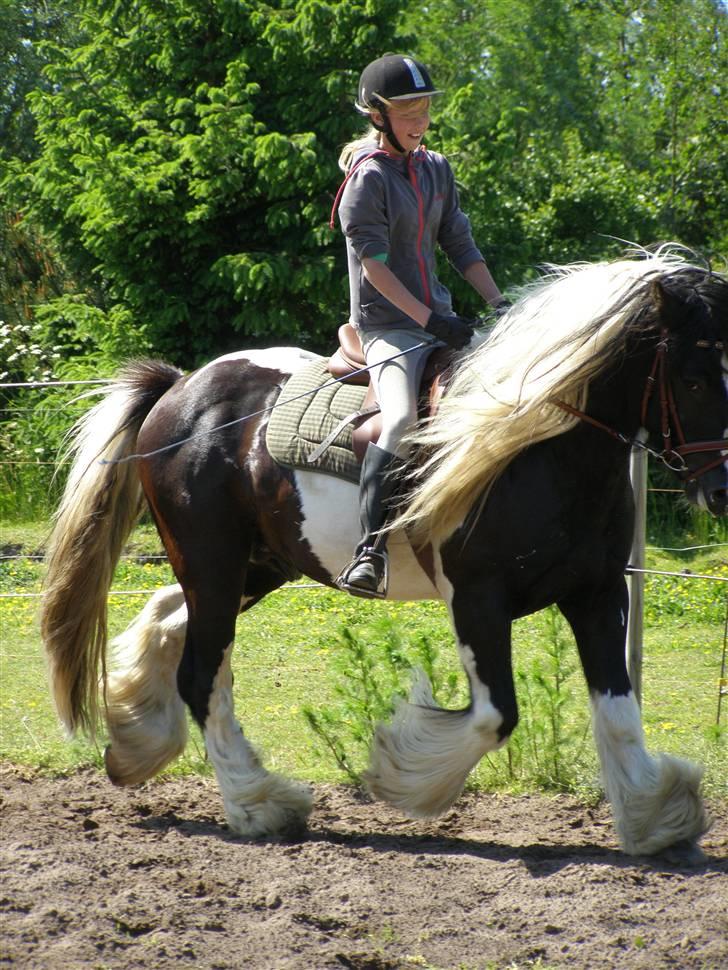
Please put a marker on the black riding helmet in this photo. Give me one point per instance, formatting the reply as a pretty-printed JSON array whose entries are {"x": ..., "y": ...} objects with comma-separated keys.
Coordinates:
[{"x": 394, "y": 77}]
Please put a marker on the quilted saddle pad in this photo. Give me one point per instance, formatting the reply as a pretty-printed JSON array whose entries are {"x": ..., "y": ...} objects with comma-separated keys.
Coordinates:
[{"x": 295, "y": 429}]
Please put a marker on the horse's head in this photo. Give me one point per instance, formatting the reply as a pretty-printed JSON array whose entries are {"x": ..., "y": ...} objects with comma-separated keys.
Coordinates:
[{"x": 685, "y": 408}]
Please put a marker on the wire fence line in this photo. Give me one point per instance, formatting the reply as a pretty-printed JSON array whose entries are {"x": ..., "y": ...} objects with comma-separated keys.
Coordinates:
[
  {"x": 103, "y": 381},
  {"x": 41, "y": 384}
]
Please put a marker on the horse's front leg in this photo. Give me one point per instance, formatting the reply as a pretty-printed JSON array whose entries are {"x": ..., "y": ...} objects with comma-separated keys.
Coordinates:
[
  {"x": 420, "y": 762},
  {"x": 656, "y": 801}
]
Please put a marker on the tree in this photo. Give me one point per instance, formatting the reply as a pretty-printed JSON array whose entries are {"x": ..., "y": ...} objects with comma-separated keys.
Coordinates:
[
  {"x": 24, "y": 26},
  {"x": 570, "y": 121},
  {"x": 188, "y": 162}
]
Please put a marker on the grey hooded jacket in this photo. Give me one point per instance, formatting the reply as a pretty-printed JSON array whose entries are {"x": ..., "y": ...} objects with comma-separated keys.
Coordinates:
[{"x": 402, "y": 208}]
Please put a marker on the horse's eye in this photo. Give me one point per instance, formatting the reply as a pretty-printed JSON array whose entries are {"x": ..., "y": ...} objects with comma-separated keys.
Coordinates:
[{"x": 695, "y": 386}]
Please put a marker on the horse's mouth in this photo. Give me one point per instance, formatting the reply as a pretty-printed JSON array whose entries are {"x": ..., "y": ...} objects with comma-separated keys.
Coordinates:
[{"x": 713, "y": 500}]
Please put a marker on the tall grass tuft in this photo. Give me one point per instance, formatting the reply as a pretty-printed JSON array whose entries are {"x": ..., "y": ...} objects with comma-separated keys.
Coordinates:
[{"x": 371, "y": 669}]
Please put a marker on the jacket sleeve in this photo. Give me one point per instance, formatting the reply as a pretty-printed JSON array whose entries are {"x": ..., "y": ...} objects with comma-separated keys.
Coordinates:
[
  {"x": 362, "y": 213},
  {"x": 455, "y": 236}
]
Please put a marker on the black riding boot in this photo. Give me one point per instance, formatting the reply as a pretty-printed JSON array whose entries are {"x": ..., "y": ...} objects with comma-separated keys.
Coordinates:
[{"x": 366, "y": 575}]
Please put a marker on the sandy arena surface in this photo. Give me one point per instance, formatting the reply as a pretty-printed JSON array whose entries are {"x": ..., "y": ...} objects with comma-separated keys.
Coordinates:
[{"x": 98, "y": 877}]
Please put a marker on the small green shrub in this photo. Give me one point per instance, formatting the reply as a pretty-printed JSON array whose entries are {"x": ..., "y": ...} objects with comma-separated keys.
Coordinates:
[{"x": 372, "y": 667}]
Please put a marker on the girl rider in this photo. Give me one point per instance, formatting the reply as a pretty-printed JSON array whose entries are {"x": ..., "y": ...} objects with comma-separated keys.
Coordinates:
[{"x": 398, "y": 203}]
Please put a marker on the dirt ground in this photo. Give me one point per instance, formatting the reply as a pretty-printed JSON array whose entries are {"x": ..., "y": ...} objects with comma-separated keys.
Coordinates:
[{"x": 98, "y": 877}]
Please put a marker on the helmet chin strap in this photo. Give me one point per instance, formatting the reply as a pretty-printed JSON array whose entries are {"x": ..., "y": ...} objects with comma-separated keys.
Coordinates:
[{"x": 386, "y": 129}]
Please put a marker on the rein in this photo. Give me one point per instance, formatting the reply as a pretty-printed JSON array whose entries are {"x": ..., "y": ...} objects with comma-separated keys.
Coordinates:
[
  {"x": 672, "y": 455},
  {"x": 271, "y": 407}
]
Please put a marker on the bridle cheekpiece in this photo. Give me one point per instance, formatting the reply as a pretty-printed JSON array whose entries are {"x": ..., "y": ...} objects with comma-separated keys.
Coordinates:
[{"x": 672, "y": 455}]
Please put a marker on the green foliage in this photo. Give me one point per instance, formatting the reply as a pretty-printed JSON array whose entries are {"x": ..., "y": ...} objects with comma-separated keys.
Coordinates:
[
  {"x": 189, "y": 160},
  {"x": 570, "y": 122},
  {"x": 24, "y": 27},
  {"x": 35, "y": 421},
  {"x": 30, "y": 271}
]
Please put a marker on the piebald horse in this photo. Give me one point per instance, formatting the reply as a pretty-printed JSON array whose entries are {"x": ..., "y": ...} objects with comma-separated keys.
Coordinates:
[{"x": 519, "y": 497}]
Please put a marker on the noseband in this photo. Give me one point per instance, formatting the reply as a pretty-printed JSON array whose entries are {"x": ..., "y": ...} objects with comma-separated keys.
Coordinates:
[{"x": 672, "y": 454}]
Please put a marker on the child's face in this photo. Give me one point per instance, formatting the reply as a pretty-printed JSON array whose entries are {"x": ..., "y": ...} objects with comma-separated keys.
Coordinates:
[{"x": 410, "y": 120}]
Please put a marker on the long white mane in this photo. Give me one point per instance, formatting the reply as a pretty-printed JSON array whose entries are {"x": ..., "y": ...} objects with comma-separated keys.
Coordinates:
[{"x": 560, "y": 334}]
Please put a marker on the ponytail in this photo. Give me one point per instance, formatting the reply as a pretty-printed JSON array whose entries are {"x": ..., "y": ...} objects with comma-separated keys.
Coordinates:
[{"x": 350, "y": 150}]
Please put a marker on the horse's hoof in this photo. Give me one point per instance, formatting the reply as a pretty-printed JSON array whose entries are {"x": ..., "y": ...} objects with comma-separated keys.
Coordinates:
[
  {"x": 684, "y": 855},
  {"x": 112, "y": 771}
]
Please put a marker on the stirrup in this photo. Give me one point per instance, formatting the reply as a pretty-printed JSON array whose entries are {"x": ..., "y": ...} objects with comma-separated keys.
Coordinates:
[{"x": 370, "y": 553}]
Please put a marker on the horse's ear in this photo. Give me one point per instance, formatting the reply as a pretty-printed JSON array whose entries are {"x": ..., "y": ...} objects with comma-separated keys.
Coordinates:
[{"x": 669, "y": 309}]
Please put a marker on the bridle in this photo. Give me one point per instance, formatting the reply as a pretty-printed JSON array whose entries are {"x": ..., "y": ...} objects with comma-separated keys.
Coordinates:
[{"x": 672, "y": 454}]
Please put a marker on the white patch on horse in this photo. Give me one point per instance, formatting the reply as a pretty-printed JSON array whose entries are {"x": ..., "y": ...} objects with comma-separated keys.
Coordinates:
[
  {"x": 256, "y": 801},
  {"x": 288, "y": 360},
  {"x": 656, "y": 801},
  {"x": 330, "y": 525}
]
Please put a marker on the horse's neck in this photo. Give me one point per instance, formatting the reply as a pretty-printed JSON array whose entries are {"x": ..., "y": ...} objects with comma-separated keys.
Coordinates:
[{"x": 615, "y": 397}]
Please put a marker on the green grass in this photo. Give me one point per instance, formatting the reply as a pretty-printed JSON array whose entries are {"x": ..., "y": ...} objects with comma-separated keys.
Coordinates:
[{"x": 289, "y": 654}]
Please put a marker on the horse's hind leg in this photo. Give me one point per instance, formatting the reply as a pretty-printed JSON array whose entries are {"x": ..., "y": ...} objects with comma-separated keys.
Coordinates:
[
  {"x": 656, "y": 801},
  {"x": 257, "y": 802},
  {"x": 145, "y": 715}
]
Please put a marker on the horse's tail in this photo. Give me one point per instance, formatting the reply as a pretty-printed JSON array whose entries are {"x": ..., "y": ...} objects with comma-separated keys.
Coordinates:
[{"x": 101, "y": 504}]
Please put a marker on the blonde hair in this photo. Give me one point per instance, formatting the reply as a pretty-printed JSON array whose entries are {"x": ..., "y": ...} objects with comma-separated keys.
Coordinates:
[{"x": 349, "y": 151}]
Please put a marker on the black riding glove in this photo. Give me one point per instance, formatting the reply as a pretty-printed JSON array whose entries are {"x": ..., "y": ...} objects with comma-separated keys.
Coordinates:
[
  {"x": 500, "y": 309},
  {"x": 454, "y": 331}
]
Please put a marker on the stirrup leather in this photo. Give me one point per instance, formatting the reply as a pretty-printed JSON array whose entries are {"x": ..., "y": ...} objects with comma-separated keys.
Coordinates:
[{"x": 370, "y": 553}]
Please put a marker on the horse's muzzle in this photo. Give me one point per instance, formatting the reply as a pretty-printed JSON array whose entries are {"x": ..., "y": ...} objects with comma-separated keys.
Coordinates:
[
  {"x": 717, "y": 501},
  {"x": 712, "y": 498}
]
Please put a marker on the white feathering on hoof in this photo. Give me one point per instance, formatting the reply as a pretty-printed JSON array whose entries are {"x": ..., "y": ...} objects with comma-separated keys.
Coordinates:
[
  {"x": 420, "y": 762},
  {"x": 257, "y": 802},
  {"x": 656, "y": 801},
  {"x": 145, "y": 715}
]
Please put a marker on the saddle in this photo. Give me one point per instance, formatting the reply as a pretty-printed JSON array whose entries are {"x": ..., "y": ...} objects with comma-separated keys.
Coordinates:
[{"x": 346, "y": 365}]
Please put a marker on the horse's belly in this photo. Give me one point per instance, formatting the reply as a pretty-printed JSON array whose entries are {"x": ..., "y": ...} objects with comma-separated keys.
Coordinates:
[{"x": 330, "y": 525}]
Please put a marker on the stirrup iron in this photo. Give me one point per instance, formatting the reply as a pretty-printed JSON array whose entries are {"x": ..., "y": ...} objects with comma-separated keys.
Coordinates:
[{"x": 371, "y": 553}]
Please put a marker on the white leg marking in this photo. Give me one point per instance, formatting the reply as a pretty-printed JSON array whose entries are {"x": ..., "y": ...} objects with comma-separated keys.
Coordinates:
[
  {"x": 656, "y": 801},
  {"x": 256, "y": 801},
  {"x": 145, "y": 715},
  {"x": 420, "y": 762}
]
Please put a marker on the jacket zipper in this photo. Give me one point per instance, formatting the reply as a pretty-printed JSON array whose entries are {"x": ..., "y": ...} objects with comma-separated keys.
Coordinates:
[{"x": 420, "y": 230}]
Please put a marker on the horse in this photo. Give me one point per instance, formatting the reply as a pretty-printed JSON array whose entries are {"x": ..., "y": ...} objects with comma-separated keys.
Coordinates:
[{"x": 518, "y": 497}]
